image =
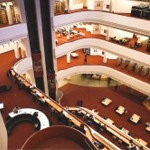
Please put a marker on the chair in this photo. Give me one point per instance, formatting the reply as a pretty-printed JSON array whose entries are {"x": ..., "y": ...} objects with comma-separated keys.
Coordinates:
[
  {"x": 137, "y": 69},
  {"x": 148, "y": 75},
  {"x": 144, "y": 71},
  {"x": 119, "y": 61},
  {"x": 120, "y": 141},
  {"x": 124, "y": 64},
  {"x": 114, "y": 137},
  {"x": 131, "y": 66}
]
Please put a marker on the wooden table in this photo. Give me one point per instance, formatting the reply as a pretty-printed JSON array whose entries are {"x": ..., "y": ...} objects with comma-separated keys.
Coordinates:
[
  {"x": 125, "y": 131},
  {"x": 109, "y": 121}
]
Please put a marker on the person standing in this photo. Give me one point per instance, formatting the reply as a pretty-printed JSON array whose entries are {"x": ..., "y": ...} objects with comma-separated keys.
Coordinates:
[
  {"x": 85, "y": 59},
  {"x": 108, "y": 81},
  {"x": 116, "y": 87}
]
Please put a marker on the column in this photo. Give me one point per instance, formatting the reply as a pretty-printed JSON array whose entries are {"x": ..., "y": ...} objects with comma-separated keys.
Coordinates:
[
  {"x": 9, "y": 15},
  {"x": 111, "y": 5},
  {"x": 68, "y": 6},
  {"x": 31, "y": 76},
  {"x": 104, "y": 58},
  {"x": 34, "y": 42},
  {"x": 25, "y": 47},
  {"x": 47, "y": 13},
  {"x": 148, "y": 46},
  {"x": 68, "y": 58},
  {"x": 108, "y": 32},
  {"x": 16, "y": 50}
]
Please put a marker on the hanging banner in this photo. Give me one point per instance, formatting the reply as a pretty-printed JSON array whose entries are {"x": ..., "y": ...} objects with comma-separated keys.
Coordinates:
[{"x": 37, "y": 64}]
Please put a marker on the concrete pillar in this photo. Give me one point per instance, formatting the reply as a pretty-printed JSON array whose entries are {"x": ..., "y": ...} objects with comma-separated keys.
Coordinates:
[
  {"x": 16, "y": 50},
  {"x": 108, "y": 33},
  {"x": 68, "y": 57},
  {"x": 105, "y": 58},
  {"x": 9, "y": 15}
]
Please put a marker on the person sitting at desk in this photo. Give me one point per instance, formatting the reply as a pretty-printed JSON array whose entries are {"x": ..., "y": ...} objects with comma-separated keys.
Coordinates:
[
  {"x": 81, "y": 128},
  {"x": 131, "y": 146},
  {"x": 95, "y": 110},
  {"x": 35, "y": 114},
  {"x": 16, "y": 109}
]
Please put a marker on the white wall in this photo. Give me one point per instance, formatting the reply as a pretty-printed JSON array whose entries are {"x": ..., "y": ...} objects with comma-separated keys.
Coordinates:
[
  {"x": 103, "y": 30},
  {"x": 99, "y": 52},
  {"x": 124, "y": 6},
  {"x": 119, "y": 33},
  {"x": 76, "y": 4},
  {"x": 103, "y": 6}
]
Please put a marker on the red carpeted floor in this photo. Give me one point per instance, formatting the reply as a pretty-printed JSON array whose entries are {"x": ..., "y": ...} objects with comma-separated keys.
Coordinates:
[
  {"x": 72, "y": 93},
  {"x": 92, "y": 97}
]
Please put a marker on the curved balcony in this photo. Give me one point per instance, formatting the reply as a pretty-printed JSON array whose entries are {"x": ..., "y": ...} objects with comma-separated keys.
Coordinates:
[
  {"x": 108, "y": 19},
  {"x": 132, "y": 82},
  {"x": 107, "y": 46},
  {"x": 23, "y": 65},
  {"x": 117, "y": 75},
  {"x": 12, "y": 33}
]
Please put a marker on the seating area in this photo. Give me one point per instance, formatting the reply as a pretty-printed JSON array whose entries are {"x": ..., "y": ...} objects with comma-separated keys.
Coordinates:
[
  {"x": 120, "y": 40},
  {"x": 38, "y": 118},
  {"x": 107, "y": 125},
  {"x": 22, "y": 118}
]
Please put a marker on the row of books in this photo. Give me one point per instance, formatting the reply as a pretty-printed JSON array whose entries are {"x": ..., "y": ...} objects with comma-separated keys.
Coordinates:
[{"x": 59, "y": 6}]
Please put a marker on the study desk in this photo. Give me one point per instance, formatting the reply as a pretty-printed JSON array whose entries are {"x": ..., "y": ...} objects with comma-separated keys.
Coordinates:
[
  {"x": 44, "y": 121},
  {"x": 120, "y": 110},
  {"x": 74, "y": 55},
  {"x": 106, "y": 101},
  {"x": 148, "y": 128},
  {"x": 125, "y": 131},
  {"x": 110, "y": 127},
  {"x": 135, "y": 118},
  {"x": 111, "y": 122},
  {"x": 141, "y": 141}
]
